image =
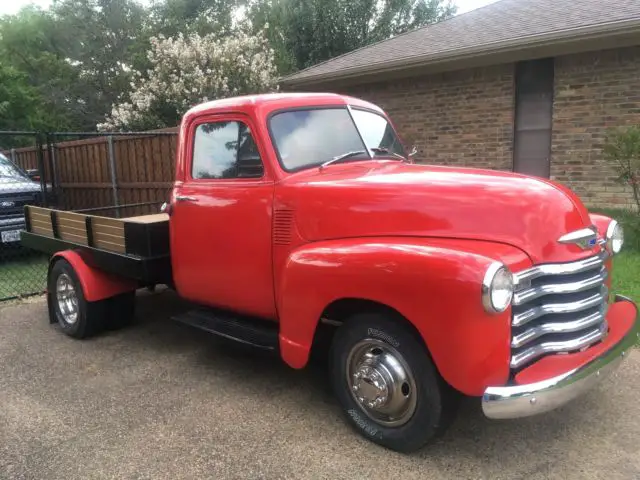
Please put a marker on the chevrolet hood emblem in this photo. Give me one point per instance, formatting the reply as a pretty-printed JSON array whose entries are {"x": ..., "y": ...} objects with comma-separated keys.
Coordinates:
[{"x": 585, "y": 238}]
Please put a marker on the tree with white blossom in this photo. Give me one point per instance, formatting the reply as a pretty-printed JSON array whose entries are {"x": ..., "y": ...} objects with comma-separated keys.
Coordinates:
[{"x": 187, "y": 70}]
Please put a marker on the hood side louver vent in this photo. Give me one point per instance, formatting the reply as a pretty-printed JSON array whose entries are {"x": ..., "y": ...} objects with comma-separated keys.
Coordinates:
[{"x": 282, "y": 227}]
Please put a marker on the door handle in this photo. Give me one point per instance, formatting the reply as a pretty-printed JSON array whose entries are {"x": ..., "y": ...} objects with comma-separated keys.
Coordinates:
[{"x": 185, "y": 198}]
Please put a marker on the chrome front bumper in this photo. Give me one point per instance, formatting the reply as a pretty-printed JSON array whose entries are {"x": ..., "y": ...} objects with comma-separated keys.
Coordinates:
[
  {"x": 12, "y": 223},
  {"x": 525, "y": 400}
]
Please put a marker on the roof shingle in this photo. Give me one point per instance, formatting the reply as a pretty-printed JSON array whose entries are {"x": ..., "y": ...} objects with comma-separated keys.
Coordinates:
[{"x": 503, "y": 21}]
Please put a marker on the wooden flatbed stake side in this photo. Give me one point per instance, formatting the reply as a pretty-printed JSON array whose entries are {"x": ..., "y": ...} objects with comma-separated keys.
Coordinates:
[{"x": 133, "y": 247}]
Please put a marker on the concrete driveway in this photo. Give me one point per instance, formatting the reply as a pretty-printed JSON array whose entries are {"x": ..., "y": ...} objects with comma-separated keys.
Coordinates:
[{"x": 161, "y": 401}]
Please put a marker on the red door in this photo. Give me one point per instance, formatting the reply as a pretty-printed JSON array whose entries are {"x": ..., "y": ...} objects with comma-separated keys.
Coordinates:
[{"x": 221, "y": 220}]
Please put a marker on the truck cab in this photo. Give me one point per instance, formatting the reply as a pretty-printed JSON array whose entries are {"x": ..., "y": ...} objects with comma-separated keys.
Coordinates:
[{"x": 296, "y": 218}]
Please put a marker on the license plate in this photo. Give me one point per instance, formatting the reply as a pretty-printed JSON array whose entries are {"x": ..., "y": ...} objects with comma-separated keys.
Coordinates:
[{"x": 10, "y": 236}]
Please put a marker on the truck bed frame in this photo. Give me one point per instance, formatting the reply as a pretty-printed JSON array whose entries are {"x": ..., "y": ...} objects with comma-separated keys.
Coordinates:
[{"x": 133, "y": 247}]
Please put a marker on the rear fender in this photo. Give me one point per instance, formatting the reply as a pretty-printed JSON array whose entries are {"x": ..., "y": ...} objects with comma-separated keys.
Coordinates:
[
  {"x": 435, "y": 284},
  {"x": 96, "y": 284}
]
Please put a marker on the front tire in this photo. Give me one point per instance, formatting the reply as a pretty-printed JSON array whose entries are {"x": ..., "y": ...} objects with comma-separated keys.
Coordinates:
[
  {"x": 76, "y": 316},
  {"x": 387, "y": 384}
]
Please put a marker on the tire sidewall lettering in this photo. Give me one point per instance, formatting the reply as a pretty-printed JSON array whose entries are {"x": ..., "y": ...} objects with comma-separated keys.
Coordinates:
[
  {"x": 385, "y": 337},
  {"x": 363, "y": 424}
]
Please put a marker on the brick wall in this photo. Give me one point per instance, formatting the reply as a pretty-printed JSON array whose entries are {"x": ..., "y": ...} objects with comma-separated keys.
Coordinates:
[
  {"x": 458, "y": 118},
  {"x": 593, "y": 92},
  {"x": 466, "y": 117}
]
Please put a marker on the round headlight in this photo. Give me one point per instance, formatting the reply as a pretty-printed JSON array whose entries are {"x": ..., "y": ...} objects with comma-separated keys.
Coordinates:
[
  {"x": 615, "y": 237},
  {"x": 497, "y": 288}
]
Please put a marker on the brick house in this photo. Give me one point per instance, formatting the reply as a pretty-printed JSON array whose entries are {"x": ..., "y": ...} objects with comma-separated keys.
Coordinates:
[{"x": 524, "y": 85}]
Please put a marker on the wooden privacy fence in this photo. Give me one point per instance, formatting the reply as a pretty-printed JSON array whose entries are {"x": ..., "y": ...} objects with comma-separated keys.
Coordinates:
[{"x": 107, "y": 171}]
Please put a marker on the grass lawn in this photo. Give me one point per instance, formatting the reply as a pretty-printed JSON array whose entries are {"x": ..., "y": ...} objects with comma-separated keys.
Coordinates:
[
  {"x": 22, "y": 273},
  {"x": 626, "y": 274},
  {"x": 626, "y": 266}
]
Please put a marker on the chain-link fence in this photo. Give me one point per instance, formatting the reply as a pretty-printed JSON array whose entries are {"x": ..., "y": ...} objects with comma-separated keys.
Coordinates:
[{"x": 114, "y": 175}]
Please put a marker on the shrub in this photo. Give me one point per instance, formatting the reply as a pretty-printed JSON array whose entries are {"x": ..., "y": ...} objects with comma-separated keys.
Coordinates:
[
  {"x": 630, "y": 221},
  {"x": 622, "y": 149},
  {"x": 191, "y": 69}
]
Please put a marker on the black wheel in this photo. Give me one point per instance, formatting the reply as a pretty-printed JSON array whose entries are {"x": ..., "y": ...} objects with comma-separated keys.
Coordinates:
[
  {"x": 77, "y": 317},
  {"x": 120, "y": 310},
  {"x": 387, "y": 384}
]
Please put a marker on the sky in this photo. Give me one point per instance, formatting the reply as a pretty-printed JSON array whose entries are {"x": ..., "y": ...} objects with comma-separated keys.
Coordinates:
[
  {"x": 12, "y": 6},
  {"x": 468, "y": 5}
]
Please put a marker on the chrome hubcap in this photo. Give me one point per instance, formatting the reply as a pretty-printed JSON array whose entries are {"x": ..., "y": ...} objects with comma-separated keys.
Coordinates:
[
  {"x": 381, "y": 382},
  {"x": 67, "y": 298}
]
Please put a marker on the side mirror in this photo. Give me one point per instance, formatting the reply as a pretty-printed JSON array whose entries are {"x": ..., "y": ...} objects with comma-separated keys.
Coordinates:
[{"x": 166, "y": 208}]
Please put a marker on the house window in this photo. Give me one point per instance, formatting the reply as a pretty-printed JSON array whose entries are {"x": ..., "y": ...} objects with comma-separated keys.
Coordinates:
[{"x": 533, "y": 122}]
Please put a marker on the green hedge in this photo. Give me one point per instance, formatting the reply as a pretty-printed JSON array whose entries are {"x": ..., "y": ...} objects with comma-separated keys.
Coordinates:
[{"x": 630, "y": 222}]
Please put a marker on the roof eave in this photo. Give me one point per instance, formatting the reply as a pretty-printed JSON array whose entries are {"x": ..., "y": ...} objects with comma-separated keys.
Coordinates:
[{"x": 576, "y": 36}]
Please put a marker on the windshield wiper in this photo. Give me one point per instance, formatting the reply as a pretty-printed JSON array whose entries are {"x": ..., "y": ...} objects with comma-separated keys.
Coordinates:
[
  {"x": 344, "y": 156},
  {"x": 387, "y": 152}
]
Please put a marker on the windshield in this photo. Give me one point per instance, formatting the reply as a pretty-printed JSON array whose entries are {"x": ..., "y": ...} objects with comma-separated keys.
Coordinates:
[
  {"x": 8, "y": 169},
  {"x": 377, "y": 132},
  {"x": 307, "y": 138}
]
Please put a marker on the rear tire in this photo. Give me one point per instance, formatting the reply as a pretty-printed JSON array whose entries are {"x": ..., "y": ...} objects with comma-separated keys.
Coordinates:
[
  {"x": 376, "y": 358},
  {"x": 77, "y": 317}
]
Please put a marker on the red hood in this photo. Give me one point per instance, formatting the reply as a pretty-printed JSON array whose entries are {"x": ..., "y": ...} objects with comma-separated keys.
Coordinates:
[{"x": 390, "y": 198}]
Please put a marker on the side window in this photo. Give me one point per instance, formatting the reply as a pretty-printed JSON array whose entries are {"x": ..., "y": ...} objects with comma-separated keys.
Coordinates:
[{"x": 225, "y": 150}]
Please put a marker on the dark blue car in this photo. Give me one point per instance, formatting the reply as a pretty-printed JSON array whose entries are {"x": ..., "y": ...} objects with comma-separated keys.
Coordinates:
[{"x": 16, "y": 191}]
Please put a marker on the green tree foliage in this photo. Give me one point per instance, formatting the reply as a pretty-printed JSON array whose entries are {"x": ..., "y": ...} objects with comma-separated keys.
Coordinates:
[
  {"x": 102, "y": 40},
  {"x": 34, "y": 77},
  {"x": 65, "y": 67},
  {"x": 306, "y": 32},
  {"x": 75, "y": 57},
  {"x": 18, "y": 105},
  {"x": 171, "y": 17}
]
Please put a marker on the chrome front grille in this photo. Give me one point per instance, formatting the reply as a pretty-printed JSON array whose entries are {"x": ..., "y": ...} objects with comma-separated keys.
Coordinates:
[
  {"x": 13, "y": 203},
  {"x": 558, "y": 308}
]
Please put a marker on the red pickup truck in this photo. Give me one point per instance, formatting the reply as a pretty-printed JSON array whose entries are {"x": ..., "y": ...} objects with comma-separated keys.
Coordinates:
[{"x": 299, "y": 218}]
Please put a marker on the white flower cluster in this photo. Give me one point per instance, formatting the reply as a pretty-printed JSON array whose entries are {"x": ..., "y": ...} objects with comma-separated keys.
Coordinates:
[{"x": 187, "y": 70}]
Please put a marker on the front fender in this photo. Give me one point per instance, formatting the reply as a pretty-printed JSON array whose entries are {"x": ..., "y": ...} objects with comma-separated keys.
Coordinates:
[
  {"x": 434, "y": 283},
  {"x": 601, "y": 223}
]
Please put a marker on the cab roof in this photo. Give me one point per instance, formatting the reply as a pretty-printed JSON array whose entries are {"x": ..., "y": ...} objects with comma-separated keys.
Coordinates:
[{"x": 266, "y": 103}]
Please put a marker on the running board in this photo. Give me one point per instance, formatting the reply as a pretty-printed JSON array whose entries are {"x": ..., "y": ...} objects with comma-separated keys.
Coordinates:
[{"x": 258, "y": 333}]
